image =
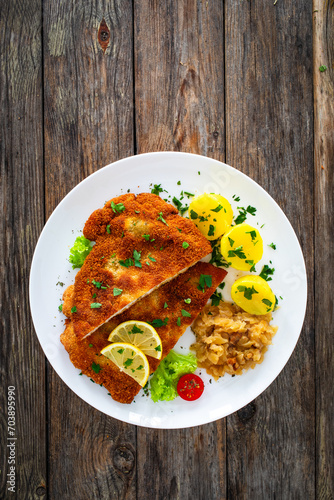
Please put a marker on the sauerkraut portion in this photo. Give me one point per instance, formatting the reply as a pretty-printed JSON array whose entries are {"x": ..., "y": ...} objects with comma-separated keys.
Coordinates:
[{"x": 230, "y": 340}]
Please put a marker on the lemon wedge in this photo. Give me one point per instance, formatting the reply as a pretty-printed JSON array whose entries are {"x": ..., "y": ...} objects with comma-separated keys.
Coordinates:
[
  {"x": 139, "y": 334},
  {"x": 129, "y": 360}
]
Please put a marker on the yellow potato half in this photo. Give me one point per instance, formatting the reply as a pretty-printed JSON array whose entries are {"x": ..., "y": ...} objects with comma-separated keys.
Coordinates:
[
  {"x": 253, "y": 295},
  {"x": 242, "y": 247},
  {"x": 212, "y": 214}
]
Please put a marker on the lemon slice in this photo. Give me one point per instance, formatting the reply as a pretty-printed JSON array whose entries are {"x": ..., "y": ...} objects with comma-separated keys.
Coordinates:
[
  {"x": 129, "y": 360},
  {"x": 139, "y": 334}
]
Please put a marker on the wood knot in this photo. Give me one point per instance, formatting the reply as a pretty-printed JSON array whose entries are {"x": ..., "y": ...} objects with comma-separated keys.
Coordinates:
[
  {"x": 40, "y": 491},
  {"x": 215, "y": 135},
  {"x": 103, "y": 35},
  {"x": 247, "y": 412},
  {"x": 124, "y": 459}
]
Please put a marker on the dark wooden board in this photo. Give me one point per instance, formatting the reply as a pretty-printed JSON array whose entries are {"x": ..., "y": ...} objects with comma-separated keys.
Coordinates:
[
  {"x": 269, "y": 136},
  {"x": 88, "y": 106},
  {"x": 323, "y": 55},
  {"x": 179, "y": 91},
  {"x": 21, "y": 359}
]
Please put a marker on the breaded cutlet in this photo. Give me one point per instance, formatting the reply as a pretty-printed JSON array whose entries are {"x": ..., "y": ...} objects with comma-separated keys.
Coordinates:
[
  {"x": 188, "y": 285},
  {"x": 141, "y": 242}
]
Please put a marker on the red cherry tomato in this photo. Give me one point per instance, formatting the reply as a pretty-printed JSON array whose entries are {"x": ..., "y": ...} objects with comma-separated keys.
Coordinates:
[{"x": 190, "y": 387}]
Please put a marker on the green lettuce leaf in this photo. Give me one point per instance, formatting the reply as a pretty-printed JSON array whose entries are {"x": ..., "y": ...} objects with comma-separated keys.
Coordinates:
[
  {"x": 79, "y": 251},
  {"x": 164, "y": 380}
]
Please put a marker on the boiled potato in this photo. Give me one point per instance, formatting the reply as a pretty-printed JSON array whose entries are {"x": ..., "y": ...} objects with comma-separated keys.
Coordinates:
[
  {"x": 242, "y": 247},
  {"x": 253, "y": 295},
  {"x": 212, "y": 214}
]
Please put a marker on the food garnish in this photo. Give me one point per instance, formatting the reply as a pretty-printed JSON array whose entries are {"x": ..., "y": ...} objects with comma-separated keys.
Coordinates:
[
  {"x": 242, "y": 247},
  {"x": 129, "y": 359},
  {"x": 79, "y": 251},
  {"x": 139, "y": 334},
  {"x": 253, "y": 295},
  {"x": 163, "y": 384},
  {"x": 190, "y": 387}
]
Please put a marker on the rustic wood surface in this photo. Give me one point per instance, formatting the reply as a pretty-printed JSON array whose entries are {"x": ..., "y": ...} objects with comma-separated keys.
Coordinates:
[{"x": 83, "y": 84}]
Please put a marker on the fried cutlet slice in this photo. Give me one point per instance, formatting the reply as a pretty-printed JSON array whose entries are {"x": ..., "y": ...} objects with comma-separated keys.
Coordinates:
[
  {"x": 141, "y": 242},
  {"x": 165, "y": 306}
]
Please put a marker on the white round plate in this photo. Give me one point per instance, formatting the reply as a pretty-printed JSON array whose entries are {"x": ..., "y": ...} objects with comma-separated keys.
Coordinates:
[{"x": 175, "y": 172}]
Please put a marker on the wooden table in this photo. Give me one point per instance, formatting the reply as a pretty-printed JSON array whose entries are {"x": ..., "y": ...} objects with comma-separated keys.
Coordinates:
[{"x": 86, "y": 83}]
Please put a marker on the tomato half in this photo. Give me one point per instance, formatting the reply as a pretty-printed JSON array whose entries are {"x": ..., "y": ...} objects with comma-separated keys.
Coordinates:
[{"x": 190, "y": 387}]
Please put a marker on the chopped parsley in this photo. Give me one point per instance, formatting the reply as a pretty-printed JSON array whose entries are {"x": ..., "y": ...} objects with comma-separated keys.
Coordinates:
[
  {"x": 267, "y": 303},
  {"x": 118, "y": 208},
  {"x": 217, "y": 209},
  {"x": 205, "y": 280},
  {"x": 322, "y": 68},
  {"x": 117, "y": 291},
  {"x": 230, "y": 241},
  {"x": 193, "y": 214},
  {"x": 272, "y": 245},
  {"x": 178, "y": 321},
  {"x": 222, "y": 285},
  {"x": 126, "y": 263},
  {"x": 136, "y": 258},
  {"x": 60, "y": 308},
  {"x": 267, "y": 272},
  {"x": 96, "y": 368},
  {"x": 185, "y": 313},
  {"x": 128, "y": 362},
  {"x": 158, "y": 348},
  {"x": 237, "y": 252},
  {"x": 160, "y": 217},
  {"x": 211, "y": 231},
  {"x": 95, "y": 305},
  {"x": 216, "y": 298},
  {"x": 146, "y": 237},
  {"x": 181, "y": 208},
  {"x": 108, "y": 228},
  {"x": 74, "y": 309},
  {"x": 157, "y": 189},
  {"x": 216, "y": 257},
  {"x": 188, "y": 194},
  {"x": 165, "y": 305},
  {"x": 243, "y": 214},
  {"x": 187, "y": 301},
  {"x": 185, "y": 245},
  {"x": 248, "y": 291},
  {"x": 135, "y": 329},
  {"x": 251, "y": 263},
  {"x": 158, "y": 323},
  {"x": 151, "y": 258},
  {"x": 252, "y": 233},
  {"x": 236, "y": 198}
]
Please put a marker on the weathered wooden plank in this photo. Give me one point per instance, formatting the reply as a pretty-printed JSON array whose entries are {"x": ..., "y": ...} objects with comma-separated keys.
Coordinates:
[
  {"x": 323, "y": 62},
  {"x": 88, "y": 124},
  {"x": 179, "y": 77},
  {"x": 269, "y": 136},
  {"x": 22, "y": 362},
  {"x": 179, "y": 98}
]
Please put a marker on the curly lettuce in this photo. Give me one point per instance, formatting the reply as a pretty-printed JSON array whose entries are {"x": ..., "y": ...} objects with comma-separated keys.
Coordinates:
[
  {"x": 79, "y": 251},
  {"x": 164, "y": 380}
]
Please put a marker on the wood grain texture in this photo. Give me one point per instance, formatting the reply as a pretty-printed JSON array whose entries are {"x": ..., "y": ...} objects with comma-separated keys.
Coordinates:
[
  {"x": 88, "y": 91},
  {"x": 179, "y": 77},
  {"x": 323, "y": 55},
  {"x": 21, "y": 360},
  {"x": 179, "y": 100},
  {"x": 269, "y": 136},
  {"x": 88, "y": 124}
]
